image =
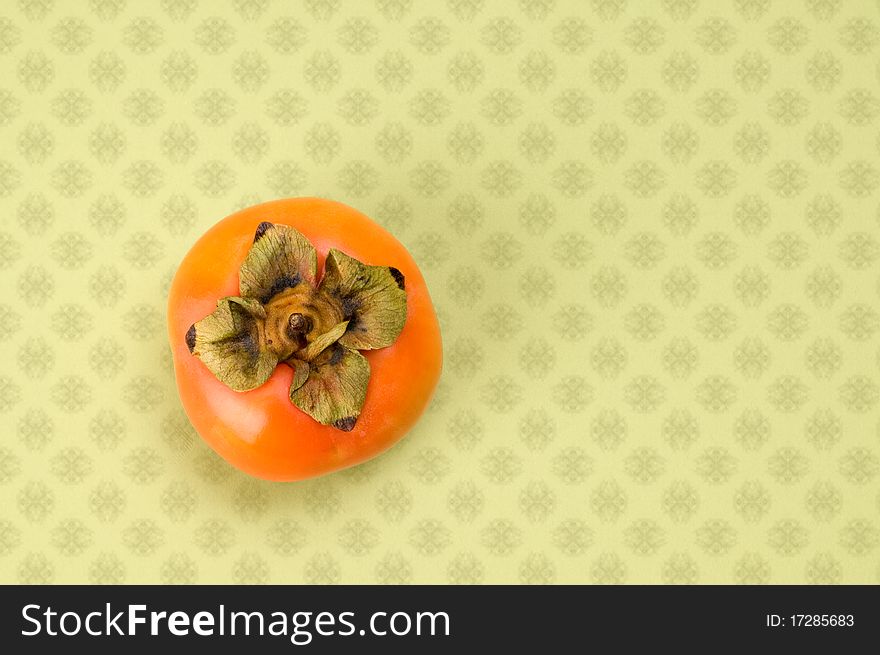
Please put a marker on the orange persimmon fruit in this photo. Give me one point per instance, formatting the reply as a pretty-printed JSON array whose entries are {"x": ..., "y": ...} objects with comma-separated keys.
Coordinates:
[{"x": 303, "y": 337}]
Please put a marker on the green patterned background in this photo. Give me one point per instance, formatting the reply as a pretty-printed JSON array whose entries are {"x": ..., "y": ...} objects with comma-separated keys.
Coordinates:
[{"x": 651, "y": 230}]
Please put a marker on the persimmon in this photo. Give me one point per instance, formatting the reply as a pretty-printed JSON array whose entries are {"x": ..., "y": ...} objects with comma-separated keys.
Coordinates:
[{"x": 303, "y": 337}]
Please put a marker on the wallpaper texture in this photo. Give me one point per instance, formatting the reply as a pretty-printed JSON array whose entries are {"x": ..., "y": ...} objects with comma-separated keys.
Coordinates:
[{"x": 650, "y": 229}]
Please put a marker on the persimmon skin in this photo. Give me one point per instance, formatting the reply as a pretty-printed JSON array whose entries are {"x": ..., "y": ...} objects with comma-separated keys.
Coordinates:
[{"x": 260, "y": 431}]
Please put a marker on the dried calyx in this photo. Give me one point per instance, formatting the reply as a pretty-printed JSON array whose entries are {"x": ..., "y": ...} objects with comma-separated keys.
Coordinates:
[{"x": 283, "y": 314}]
